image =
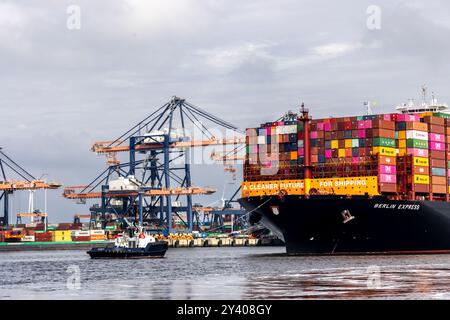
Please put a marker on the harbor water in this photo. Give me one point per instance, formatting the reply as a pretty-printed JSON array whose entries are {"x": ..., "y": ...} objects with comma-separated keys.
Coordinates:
[{"x": 223, "y": 273}]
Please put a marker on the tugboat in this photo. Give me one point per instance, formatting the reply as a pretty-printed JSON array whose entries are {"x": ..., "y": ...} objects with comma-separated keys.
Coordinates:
[{"x": 134, "y": 243}]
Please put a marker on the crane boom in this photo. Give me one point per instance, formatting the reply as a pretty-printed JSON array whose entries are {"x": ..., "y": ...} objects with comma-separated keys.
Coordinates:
[
  {"x": 69, "y": 193},
  {"x": 105, "y": 146},
  {"x": 27, "y": 185}
]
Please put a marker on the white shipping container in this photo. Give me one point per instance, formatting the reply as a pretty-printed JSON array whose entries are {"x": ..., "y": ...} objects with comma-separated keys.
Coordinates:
[
  {"x": 79, "y": 233},
  {"x": 97, "y": 232},
  {"x": 419, "y": 135},
  {"x": 261, "y": 140},
  {"x": 286, "y": 129},
  {"x": 28, "y": 239}
]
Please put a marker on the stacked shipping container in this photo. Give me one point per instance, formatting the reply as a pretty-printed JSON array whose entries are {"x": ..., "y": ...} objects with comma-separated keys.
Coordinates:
[{"x": 355, "y": 147}]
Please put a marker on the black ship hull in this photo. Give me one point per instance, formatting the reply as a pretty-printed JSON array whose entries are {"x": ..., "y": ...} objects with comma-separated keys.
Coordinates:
[
  {"x": 153, "y": 250},
  {"x": 333, "y": 225}
]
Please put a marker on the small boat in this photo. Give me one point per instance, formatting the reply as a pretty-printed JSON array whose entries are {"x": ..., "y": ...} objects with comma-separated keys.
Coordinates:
[{"x": 134, "y": 244}]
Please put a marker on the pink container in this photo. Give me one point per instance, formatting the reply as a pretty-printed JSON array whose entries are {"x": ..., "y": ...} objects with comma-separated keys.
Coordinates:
[
  {"x": 255, "y": 149},
  {"x": 320, "y": 126},
  {"x": 437, "y": 146},
  {"x": 301, "y": 151},
  {"x": 387, "y": 117},
  {"x": 436, "y": 137},
  {"x": 327, "y": 126},
  {"x": 384, "y": 169},
  {"x": 362, "y": 134},
  {"x": 407, "y": 118},
  {"x": 280, "y": 123},
  {"x": 313, "y": 134},
  {"x": 368, "y": 124},
  {"x": 268, "y": 131},
  {"x": 418, "y": 152},
  {"x": 361, "y": 124},
  {"x": 448, "y": 172},
  {"x": 355, "y": 160},
  {"x": 388, "y": 178},
  {"x": 328, "y": 154}
]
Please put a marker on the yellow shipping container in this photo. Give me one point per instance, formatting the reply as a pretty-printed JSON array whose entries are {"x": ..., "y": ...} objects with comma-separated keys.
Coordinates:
[
  {"x": 421, "y": 179},
  {"x": 426, "y": 114},
  {"x": 334, "y": 144},
  {"x": 338, "y": 186},
  {"x": 402, "y": 143},
  {"x": 402, "y": 135},
  {"x": 348, "y": 143},
  {"x": 423, "y": 162},
  {"x": 401, "y": 151},
  {"x": 293, "y": 155},
  {"x": 341, "y": 153},
  {"x": 384, "y": 151}
]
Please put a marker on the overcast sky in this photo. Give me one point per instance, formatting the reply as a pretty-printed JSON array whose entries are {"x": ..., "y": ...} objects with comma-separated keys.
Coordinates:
[{"x": 244, "y": 61}]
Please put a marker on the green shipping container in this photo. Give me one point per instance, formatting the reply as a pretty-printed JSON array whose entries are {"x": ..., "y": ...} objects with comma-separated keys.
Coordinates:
[
  {"x": 247, "y": 149},
  {"x": 441, "y": 115},
  {"x": 419, "y": 144},
  {"x": 384, "y": 142}
]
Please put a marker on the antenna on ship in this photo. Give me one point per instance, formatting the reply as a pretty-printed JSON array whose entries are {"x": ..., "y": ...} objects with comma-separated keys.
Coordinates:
[
  {"x": 424, "y": 95},
  {"x": 368, "y": 107}
]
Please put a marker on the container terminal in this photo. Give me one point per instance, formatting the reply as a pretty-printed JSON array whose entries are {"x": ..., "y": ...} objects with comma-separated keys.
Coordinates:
[
  {"x": 152, "y": 188},
  {"x": 373, "y": 184}
]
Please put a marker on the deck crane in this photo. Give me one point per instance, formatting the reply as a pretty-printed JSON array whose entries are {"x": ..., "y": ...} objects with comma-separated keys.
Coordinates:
[
  {"x": 157, "y": 174},
  {"x": 24, "y": 181}
]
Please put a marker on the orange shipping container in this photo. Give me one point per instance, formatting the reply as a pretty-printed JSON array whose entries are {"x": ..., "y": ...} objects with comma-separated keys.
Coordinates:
[
  {"x": 383, "y": 124},
  {"x": 387, "y": 160},
  {"x": 383, "y": 133},
  {"x": 438, "y": 189},
  {"x": 419, "y": 126},
  {"x": 438, "y": 180},
  {"x": 421, "y": 170},
  {"x": 434, "y": 120}
]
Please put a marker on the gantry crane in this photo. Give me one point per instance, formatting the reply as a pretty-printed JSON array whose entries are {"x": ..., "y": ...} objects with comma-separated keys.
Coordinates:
[
  {"x": 24, "y": 181},
  {"x": 158, "y": 168}
]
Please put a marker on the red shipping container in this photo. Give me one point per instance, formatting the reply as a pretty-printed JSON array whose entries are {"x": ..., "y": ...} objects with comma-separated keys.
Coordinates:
[
  {"x": 437, "y": 163},
  {"x": 434, "y": 154},
  {"x": 436, "y": 129},
  {"x": 421, "y": 188},
  {"x": 387, "y": 188}
]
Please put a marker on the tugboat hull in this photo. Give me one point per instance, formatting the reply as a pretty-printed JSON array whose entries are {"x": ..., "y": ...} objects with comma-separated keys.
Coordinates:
[{"x": 153, "y": 250}]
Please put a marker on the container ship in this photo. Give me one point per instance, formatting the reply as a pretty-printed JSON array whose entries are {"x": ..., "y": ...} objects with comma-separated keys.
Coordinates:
[{"x": 373, "y": 184}]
